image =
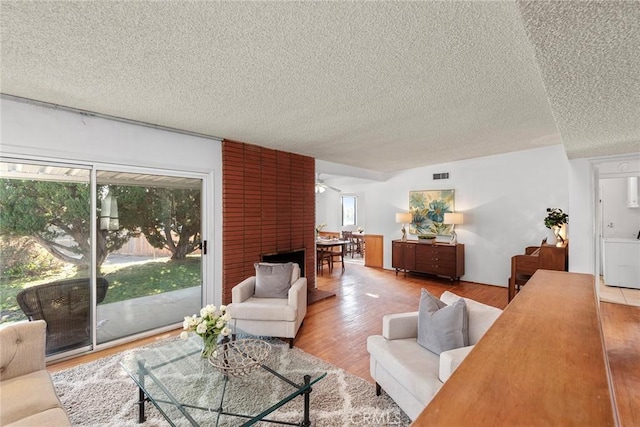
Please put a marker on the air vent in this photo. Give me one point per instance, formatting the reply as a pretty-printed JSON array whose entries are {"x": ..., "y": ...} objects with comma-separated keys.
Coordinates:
[{"x": 443, "y": 175}]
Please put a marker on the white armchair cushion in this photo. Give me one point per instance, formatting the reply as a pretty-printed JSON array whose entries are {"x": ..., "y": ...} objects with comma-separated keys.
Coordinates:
[
  {"x": 413, "y": 367},
  {"x": 273, "y": 280},
  {"x": 267, "y": 309},
  {"x": 450, "y": 360},
  {"x": 481, "y": 316}
]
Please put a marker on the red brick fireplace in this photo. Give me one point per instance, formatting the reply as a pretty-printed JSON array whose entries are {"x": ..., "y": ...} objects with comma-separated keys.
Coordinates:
[{"x": 268, "y": 208}]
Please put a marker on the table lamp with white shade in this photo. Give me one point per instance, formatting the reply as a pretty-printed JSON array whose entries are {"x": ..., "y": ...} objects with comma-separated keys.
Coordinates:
[
  {"x": 453, "y": 218},
  {"x": 404, "y": 218}
]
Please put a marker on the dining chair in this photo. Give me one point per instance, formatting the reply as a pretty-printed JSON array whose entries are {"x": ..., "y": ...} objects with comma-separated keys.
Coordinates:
[
  {"x": 337, "y": 255},
  {"x": 323, "y": 257},
  {"x": 358, "y": 246},
  {"x": 349, "y": 247}
]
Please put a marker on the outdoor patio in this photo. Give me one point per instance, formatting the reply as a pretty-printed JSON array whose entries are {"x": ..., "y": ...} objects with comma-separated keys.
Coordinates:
[{"x": 130, "y": 317}]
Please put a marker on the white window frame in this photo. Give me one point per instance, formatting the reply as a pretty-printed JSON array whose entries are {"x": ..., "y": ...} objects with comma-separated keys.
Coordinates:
[{"x": 355, "y": 209}]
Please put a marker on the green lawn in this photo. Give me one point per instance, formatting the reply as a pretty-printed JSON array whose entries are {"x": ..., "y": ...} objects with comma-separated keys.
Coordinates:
[
  {"x": 126, "y": 281},
  {"x": 151, "y": 278}
]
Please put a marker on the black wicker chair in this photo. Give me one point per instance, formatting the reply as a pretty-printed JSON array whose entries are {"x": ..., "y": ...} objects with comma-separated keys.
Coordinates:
[{"x": 65, "y": 306}]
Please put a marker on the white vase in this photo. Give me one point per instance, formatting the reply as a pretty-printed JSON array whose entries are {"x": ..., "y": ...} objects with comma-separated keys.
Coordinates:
[{"x": 555, "y": 238}]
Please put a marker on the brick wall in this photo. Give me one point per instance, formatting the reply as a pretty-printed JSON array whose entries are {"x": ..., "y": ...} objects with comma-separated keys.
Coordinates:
[{"x": 268, "y": 201}]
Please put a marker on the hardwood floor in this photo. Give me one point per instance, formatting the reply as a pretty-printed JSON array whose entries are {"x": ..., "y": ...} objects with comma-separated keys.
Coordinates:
[
  {"x": 336, "y": 329},
  {"x": 621, "y": 330},
  {"x": 86, "y": 358}
]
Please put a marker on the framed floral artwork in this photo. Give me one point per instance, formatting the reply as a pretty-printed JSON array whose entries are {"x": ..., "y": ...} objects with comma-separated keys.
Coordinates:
[{"x": 427, "y": 209}]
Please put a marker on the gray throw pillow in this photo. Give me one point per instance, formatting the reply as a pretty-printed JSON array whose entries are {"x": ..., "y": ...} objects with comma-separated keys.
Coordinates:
[
  {"x": 273, "y": 280},
  {"x": 442, "y": 327}
]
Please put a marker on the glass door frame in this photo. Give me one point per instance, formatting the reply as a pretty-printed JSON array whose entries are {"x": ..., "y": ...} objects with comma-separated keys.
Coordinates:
[
  {"x": 206, "y": 261},
  {"x": 49, "y": 162},
  {"x": 207, "y": 294}
]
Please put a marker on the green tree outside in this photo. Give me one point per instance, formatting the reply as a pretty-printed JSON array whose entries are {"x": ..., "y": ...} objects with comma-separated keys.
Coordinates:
[{"x": 47, "y": 211}]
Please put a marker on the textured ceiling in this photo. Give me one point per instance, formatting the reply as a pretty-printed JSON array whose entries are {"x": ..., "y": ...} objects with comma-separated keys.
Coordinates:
[
  {"x": 589, "y": 57},
  {"x": 377, "y": 85}
]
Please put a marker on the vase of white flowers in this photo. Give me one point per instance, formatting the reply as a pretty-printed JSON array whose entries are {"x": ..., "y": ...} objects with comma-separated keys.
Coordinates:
[
  {"x": 319, "y": 228},
  {"x": 209, "y": 325}
]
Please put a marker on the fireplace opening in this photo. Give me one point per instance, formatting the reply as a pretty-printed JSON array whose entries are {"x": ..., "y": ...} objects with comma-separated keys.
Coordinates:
[{"x": 296, "y": 256}]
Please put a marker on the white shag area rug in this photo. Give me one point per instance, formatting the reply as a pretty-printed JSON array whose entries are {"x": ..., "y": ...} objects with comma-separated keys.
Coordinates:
[{"x": 101, "y": 393}]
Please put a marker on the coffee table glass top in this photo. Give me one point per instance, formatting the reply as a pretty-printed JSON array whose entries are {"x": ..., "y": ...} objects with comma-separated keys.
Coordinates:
[{"x": 188, "y": 390}]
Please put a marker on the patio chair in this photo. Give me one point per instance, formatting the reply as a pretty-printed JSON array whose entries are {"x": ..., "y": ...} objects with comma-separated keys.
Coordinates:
[{"x": 66, "y": 307}]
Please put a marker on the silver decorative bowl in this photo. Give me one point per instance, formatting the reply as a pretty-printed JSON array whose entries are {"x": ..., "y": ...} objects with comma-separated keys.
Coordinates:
[{"x": 239, "y": 357}]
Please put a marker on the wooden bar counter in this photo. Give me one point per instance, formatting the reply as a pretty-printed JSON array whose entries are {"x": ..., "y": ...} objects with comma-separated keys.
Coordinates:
[{"x": 542, "y": 363}]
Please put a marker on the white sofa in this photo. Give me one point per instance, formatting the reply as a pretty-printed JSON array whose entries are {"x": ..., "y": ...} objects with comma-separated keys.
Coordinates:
[
  {"x": 27, "y": 394},
  {"x": 273, "y": 317},
  {"x": 410, "y": 374}
]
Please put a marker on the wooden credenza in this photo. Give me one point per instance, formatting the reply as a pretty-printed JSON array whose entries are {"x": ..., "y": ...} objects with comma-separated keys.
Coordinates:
[{"x": 440, "y": 259}]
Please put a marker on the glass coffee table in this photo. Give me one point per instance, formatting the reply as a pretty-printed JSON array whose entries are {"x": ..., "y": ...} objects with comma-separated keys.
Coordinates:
[{"x": 189, "y": 391}]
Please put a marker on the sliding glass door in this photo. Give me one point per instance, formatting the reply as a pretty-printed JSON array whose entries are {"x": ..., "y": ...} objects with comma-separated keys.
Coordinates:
[
  {"x": 129, "y": 265},
  {"x": 45, "y": 235},
  {"x": 148, "y": 250}
]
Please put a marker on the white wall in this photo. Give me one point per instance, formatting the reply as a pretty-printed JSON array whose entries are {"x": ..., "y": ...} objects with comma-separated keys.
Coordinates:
[
  {"x": 582, "y": 218},
  {"x": 504, "y": 199},
  {"x": 329, "y": 210},
  {"x": 33, "y": 131}
]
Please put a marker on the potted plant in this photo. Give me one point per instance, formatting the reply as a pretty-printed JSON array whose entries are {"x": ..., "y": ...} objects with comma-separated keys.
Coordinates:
[{"x": 555, "y": 220}]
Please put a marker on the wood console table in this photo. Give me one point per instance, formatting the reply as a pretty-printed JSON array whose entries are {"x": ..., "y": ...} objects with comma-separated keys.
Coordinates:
[
  {"x": 440, "y": 259},
  {"x": 542, "y": 363}
]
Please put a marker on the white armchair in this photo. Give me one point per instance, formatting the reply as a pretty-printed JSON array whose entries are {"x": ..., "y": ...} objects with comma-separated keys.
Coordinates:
[
  {"x": 273, "y": 317},
  {"x": 409, "y": 373}
]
